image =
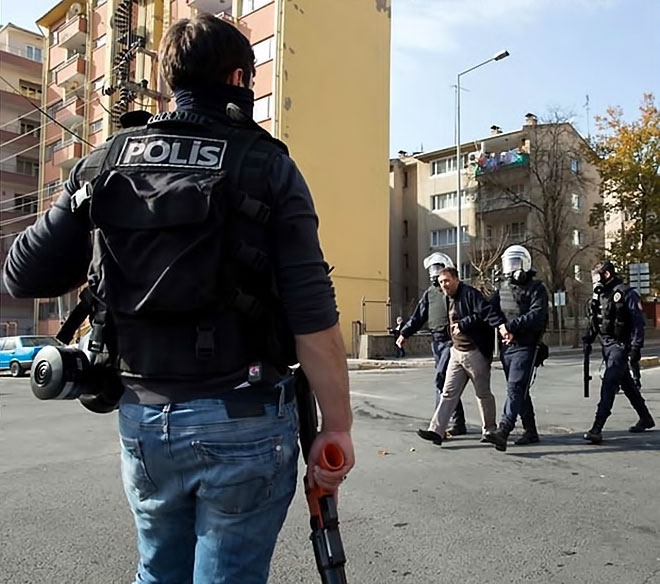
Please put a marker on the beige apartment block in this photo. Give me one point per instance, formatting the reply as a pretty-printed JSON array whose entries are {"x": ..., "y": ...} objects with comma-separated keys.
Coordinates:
[
  {"x": 511, "y": 195},
  {"x": 21, "y": 55},
  {"x": 102, "y": 61}
]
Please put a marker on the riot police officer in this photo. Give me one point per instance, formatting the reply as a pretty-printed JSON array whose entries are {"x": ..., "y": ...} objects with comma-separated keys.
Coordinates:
[
  {"x": 524, "y": 301},
  {"x": 617, "y": 318},
  {"x": 433, "y": 308}
]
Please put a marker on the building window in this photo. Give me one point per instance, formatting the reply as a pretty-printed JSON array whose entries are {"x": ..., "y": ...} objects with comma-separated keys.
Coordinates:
[
  {"x": 575, "y": 165},
  {"x": 97, "y": 84},
  {"x": 29, "y": 127},
  {"x": 252, "y": 5},
  {"x": 54, "y": 37},
  {"x": 96, "y": 126},
  {"x": 577, "y": 272},
  {"x": 48, "y": 309},
  {"x": 30, "y": 89},
  {"x": 264, "y": 50},
  {"x": 96, "y": 3},
  {"x": 518, "y": 231},
  {"x": 447, "y": 237},
  {"x": 446, "y": 201},
  {"x": 578, "y": 238},
  {"x": 405, "y": 179},
  {"x": 52, "y": 188},
  {"x": 33, "y": 53},
  {"x": 50, "y": 148},
  {"x": 466, "y": 271},
  {"x": 576, "y": 202},
  {"x": 261, "y": 110},
  {"x": 25, "y": 203},
  {"x": 443, "y": 166},
  {"x": 100, "y": 42},
  {"x": 27, "y": 166}
]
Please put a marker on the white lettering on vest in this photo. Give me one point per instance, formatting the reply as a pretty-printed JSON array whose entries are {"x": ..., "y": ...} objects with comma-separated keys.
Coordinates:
[{"x": 171, "y": 151}]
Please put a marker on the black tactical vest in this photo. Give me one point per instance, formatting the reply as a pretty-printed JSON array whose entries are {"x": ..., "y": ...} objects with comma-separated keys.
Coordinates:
[
  {"x": 438, "y": 320},
  {"x": 180, "y": 269},
  {"x": 614, "y": 321}
]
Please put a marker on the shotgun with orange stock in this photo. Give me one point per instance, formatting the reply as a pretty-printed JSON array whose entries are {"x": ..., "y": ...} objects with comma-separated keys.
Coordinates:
[{"x": 324, "y": 520}]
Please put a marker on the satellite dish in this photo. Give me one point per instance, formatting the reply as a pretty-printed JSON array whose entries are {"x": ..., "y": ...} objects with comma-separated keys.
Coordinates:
[{"x": 75, "y": 9}]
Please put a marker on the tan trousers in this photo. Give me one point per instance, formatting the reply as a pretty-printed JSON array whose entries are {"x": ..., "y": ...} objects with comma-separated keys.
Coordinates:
[{"x": 464, "y": 366}]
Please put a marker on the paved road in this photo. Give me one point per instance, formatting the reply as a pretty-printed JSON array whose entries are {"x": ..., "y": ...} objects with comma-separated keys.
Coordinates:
[{"x": 561, "y": 512}]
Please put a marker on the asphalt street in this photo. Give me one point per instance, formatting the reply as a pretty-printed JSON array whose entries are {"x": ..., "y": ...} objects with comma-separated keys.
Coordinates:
[{"x": 560, "y": 512}]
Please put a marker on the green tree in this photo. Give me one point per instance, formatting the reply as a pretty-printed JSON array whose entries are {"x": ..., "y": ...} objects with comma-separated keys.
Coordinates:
[{"x": 627, "y": 155}]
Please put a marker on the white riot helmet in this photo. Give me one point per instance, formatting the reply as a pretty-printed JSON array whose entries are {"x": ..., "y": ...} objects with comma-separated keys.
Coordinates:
[
  {"x": 435, "y": 263},
  {"x": 516, "y": 263}
]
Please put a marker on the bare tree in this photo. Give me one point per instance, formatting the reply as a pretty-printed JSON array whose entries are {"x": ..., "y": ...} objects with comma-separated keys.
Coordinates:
[
  {"x": 484, "y": 255},
  {"x": 545, "y": 189}
]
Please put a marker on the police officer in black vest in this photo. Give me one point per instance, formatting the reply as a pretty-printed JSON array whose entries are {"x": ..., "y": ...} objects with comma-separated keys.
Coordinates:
[
  {"x": 616, "y": 317},
  {"x": 524, "y": 302},
  {"x": 206, "y": 282},
  {"x": 432, "y": 308}
]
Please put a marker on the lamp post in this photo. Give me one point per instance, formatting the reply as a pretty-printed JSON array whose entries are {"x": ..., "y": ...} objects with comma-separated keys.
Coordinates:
[{"x": 459, "y": 231}]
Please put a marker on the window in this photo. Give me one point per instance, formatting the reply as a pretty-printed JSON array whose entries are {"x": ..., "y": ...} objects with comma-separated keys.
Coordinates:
[
  {"x": 96, "y": 3},
  {"x": 27, "y": 166},
  {"x": 29, "y": 127},
  {"x": 10, "y": 345},
  {"x": 99, "y": 42},
  {"x": 48, "y": 309},
  {"x": 518, "y": 231},
  {"x": 252, "y": 5},
  {"x": 53, "y": 187},
  {"x": 33, "y": 53},
  {"x": 446, "y": 200},
  {"x": 50, "y": 148},
  {"x": 575, "y": 165},
  {"x": 405, "y": 179},
  {"x": 443, "y": 166},
  {"x": 96, "y": 126},
  {"x": 466, "y": 271},
  {"x": 577, "y": 272},
  {"x": 30, "y": 89},
  {"x": 578, "y": 238},
  {"x": 576, "y": 202},
  {"x": 25, "y": 203},
  {"x": 446, "y": 237},
  {"x": 54, "y": 37},
  {"x": 261, "y": 110},
  {"x": 97, "y": 84},
  {"x": 264, "y": 50}
]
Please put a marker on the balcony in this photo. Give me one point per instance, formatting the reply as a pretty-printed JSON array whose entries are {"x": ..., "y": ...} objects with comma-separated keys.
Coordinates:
[
  {"x": 73, "y": 35},
  {"x": 71, "y": 113},
  {"x": 67, "y": 154},
  {"x": 71, "y": 74},
  {"x": 24, "y": 175},
  {"x": 211, "y": 6},
  {"x": 496, "y": 161}
]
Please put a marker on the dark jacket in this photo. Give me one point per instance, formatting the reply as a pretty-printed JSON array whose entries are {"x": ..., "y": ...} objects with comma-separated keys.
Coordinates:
[
  {"x": 52, "y": 257},
  {"x": 477, "y": 318},
  {"x": 532, "y": 301},
  {"x": 420, "y": 317}
]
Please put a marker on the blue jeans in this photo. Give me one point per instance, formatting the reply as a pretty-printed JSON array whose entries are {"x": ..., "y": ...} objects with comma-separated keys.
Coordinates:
[
  {"x": 209, "y": 492},
  {"x": 518, "y": 365}
]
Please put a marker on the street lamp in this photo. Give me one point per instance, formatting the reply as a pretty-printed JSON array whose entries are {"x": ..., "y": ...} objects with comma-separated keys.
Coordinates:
[{"x": 459, "y": 232}]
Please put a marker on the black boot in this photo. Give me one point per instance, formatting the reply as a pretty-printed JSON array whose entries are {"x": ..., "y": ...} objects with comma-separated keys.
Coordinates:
[
  {"x": 498, "y": 438},
  {"x": 528, "y": 437},
  {"x": 595, "y": 435},
  {"x": 642, "y": 424},
  {"x": 430, "y": 435}
]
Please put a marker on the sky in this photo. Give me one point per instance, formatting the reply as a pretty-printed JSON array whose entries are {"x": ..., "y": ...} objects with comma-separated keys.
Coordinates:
[{"x": 561, "y": 51}]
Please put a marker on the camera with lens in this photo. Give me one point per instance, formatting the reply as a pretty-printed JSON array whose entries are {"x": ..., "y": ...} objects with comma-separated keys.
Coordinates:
[{"x": 70, "y": 372}]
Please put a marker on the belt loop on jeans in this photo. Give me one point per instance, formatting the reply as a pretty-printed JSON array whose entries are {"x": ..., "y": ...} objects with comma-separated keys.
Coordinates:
[{"x": 282, "y": 387}]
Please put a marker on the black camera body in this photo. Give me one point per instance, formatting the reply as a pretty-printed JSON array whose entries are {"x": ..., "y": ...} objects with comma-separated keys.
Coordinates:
[{"x": 69, "y": 372}]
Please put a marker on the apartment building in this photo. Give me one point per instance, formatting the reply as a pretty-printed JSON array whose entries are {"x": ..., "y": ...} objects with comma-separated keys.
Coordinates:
[
  {"x": 531, "y": 186},
  {"x": 331, "y": 108},
  {"x": 21, "y": 55}
]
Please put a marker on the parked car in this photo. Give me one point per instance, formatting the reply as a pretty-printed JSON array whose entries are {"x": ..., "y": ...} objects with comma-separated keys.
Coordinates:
[{"x": 17, "y": 353}]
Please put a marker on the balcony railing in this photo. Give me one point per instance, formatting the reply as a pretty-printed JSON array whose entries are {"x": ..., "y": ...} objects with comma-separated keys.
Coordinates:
[
  {"x": 73, "y": 34},
  {"x": 67, "y": 154},
  {"x": 494, "y": 161},
  {"x": 31, "y": 54},
  {"x": 71, "y": 112},
  {"x": 71, "y": 74}
]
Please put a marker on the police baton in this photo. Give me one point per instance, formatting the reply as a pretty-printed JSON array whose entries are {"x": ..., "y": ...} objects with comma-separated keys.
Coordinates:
[{"x": 323, "y": 516}]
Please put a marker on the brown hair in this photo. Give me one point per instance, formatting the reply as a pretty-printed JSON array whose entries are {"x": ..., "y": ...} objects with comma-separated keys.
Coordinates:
[
  {"x": 451, "y": 271},
  {"x": 204, "y": 50}
]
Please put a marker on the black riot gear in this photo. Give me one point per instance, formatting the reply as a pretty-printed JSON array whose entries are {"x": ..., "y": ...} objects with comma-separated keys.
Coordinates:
[{"x": 169, "y": 270}]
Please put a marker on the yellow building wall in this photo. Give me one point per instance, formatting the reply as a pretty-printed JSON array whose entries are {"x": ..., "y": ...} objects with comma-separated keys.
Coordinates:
[{"x": 332, "y": 84}]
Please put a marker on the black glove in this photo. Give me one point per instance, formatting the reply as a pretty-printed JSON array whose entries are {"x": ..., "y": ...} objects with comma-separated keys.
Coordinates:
[{"x": 635, "y": 354}]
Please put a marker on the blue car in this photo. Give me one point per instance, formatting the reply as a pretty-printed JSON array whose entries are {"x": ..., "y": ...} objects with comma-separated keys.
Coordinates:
[{"x": 17, "y": 353}]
